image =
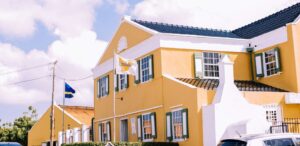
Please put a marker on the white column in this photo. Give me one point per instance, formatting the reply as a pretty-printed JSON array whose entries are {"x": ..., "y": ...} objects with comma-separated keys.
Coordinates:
[{"x": 85, "y": 130}]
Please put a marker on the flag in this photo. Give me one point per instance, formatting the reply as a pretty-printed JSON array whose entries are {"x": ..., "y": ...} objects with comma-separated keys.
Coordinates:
[
  {"x": 125, "y": 66},
  {"x": 69, "y": 91}
]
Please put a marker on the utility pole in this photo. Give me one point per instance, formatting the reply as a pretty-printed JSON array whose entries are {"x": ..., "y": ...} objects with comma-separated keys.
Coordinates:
[{"x": 52, "y": 105}]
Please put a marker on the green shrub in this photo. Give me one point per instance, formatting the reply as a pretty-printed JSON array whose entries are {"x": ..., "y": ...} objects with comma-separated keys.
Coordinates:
[
  {"x": 124, "y": 144},
  {"x": 160, "y": 144}
]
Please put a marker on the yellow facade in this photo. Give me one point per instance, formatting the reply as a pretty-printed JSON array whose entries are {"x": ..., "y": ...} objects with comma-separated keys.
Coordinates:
[
  {"x": 40, "y": 132},
  {"x": 165, "y": 92}
]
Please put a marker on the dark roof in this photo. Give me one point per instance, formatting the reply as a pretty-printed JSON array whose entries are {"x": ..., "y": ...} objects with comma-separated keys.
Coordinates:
[
  {"x": 269, "y": 23},
  {"x": 254, "y": 29},
  {"x": 181, "y": 29},
  {"x": 211, "y": 84}
]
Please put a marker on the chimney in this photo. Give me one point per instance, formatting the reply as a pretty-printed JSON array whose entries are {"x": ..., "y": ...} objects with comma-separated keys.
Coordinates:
[{"x": 227, "y": 91}]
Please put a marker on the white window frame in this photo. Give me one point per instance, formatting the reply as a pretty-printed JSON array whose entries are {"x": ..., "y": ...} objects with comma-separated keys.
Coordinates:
[
  {"x": 122, "y": 86},
  {"x": 173, "y": 131},
  {"x": 120, "y": 131},
  {"x": 142, "y": 124},
  {"x": 101, "y": 88},
  {"x": 265, "y": 63},
  {"x": 274, "y": 108},
  {"x": 107, "y": 132},
  {"x": 143, "y": 70},
  {"x": 203, "y": 65}
]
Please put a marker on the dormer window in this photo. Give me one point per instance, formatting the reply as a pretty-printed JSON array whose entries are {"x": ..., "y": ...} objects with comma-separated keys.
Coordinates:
[{"x": 122, "y": 44}]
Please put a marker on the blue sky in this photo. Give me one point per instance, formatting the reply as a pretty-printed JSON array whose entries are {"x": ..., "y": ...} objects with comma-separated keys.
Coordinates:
[{"x": 35, "y": 32}]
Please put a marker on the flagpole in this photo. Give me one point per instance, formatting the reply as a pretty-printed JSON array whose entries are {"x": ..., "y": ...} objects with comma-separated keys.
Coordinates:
[
  {"x": 63, "y": 118},
  {"x": 114, "y": 98}
]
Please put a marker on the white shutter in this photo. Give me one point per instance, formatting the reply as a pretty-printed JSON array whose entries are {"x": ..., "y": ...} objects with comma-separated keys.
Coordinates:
[
  {"x": 76, "y": 134},
  {"x": 139, "y": 127},
  {"x": 277, "y": 57},
  {"x": 100, "y": 132},
  {"x": 151, "y": 72},
  {"x": 85, "y": 133},
  {"x": 68, "y": 133},
  {"x": 259, "y": 65},
  {"x": 185, "y": 123},
  {"x": 153, "y": 124},
  {"x": 106, "y": 85},
  {"x": 98, "y": 89},
  {"x": 60, "y": 138},
  {"x": 198, "y": 65},
  {"x": 169, "y": 126},
  {"x": 108, "y": 130}
]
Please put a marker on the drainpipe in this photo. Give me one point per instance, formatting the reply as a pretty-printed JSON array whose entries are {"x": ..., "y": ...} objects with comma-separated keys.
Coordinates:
[
  {"x": 250, "y": 52},
  {"x": 92, "y": 133}
]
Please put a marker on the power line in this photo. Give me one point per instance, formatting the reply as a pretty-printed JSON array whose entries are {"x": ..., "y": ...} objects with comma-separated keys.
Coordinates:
[
  {"x": 24, "y": 69},
  {"x": 29, "y": 80},
  {"x": 72, "y": 80}
]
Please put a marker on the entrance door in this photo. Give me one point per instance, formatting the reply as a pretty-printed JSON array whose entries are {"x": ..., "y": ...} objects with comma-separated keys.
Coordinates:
[{"x": 124, "y": 130}]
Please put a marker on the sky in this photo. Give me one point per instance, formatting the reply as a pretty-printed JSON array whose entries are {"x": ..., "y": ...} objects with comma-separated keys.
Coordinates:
[{"x": 34, "y": 33}]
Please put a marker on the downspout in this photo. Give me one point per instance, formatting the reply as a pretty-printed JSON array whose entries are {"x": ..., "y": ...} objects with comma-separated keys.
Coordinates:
[
  {"x": 250, "y": 52},
  {"x": 92, "y": 133}
]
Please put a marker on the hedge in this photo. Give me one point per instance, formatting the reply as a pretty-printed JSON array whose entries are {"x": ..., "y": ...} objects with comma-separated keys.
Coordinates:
[{"x": 124, "y": 144}]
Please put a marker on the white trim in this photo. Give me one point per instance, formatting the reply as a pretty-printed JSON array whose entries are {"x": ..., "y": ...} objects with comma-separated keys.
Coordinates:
[
  {"x": 130, "y": 113},
  {"x": 142, "y": 132},
  {"x": 146, "y": 29},
  {"x": 173, "y": 134},
  {"x": 176, "y": 106},
  {"x": 202, "y": 43},
  {"x": 178, "y": 81},
  {"x": 191, "y": 42},
  {"x": 269, "y": 39},
  {"x": 68, "y": 114}
]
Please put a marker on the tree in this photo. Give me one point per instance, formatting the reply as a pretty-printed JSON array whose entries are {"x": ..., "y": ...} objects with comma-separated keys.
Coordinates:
[{"x": 18, "y": 130}]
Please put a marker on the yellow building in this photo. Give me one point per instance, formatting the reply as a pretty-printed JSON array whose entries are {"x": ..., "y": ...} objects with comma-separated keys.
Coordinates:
[
  {"x": 178, "y": 74},
  {"x": 77, "y": 121}
]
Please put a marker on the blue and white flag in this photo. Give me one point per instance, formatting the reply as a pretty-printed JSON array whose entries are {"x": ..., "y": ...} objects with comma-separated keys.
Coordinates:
[{"x": 69, "y": 91}]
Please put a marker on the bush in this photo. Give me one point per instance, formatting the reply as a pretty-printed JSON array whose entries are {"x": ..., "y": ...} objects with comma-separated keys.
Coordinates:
[
  {"x": 160, "y": 144},
  {"x": 124, "y": 144},
  {"x": 103, "y": 144}
]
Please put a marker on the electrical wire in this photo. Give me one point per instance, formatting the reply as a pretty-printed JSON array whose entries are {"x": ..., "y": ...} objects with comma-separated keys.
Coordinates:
[
  {"x": 25, "y": 69},
  {"x": 24, "y": 81},
  {"x": 72, "y": 80}
]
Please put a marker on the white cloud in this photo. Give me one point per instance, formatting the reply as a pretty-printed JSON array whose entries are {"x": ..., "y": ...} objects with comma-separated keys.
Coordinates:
[
  {"x": 76, "y": 56},
  {"x": 121, "y": 6},
  {"x": 65, "y": 18},
  {"x": 229, "y": 14},
  {"x": 17, "y": 17}
]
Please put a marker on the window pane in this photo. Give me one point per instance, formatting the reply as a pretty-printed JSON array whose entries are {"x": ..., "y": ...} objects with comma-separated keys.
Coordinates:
[{"x": 211, "y": 68}]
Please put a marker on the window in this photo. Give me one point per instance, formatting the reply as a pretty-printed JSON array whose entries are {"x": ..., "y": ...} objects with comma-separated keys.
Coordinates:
[
  {"x": 145, "y": 67},
  {"x": 103, "y": 86},
  {"x": 147, "y": 127},
  {"x": 177, "y": 125},
  {"x": 279, "y": 142},
  {"x": 121, "y": 82},
  {"x": 210, "y": 64},
  {"x": 273, "y": 114},
  {"x": 104, "y": 131},
  {"x": 270, "y": 62},
  {"x": 267, "y": 63}
]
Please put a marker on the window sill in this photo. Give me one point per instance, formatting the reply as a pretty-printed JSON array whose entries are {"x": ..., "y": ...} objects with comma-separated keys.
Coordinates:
[
  {"x": 146, "y": 81},
  {"x": 178, "y": 140},
  {"x": 270, "y": 75},
  {"x": 147, "y": 140}
]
